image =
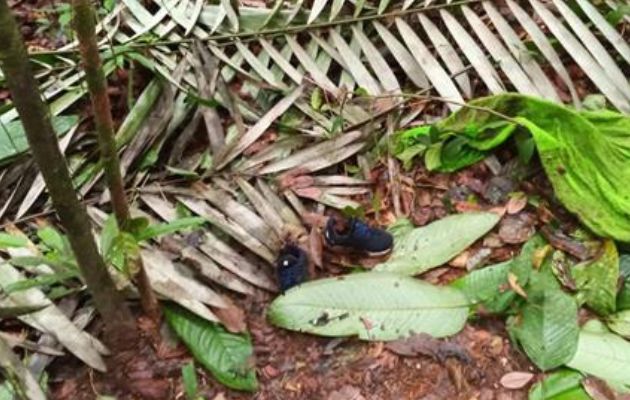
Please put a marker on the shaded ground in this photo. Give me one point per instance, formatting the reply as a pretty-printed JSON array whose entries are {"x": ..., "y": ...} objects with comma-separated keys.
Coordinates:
[{"x": 296, "y": 366}]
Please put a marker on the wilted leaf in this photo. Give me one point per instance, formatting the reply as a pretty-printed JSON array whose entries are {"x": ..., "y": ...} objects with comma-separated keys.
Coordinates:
[
  {"x": 373, "y": 305},
  {"x": 596, "y": 280},
  {"x": 226, "y": 355},
  {"x": 435, "y": 244}
]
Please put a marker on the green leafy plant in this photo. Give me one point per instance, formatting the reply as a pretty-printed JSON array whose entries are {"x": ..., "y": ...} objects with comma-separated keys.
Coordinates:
[
  {"x": 584, "y": 153},
  {"x": 226, "y": 355},
  {"x": 564, "y": 384}
]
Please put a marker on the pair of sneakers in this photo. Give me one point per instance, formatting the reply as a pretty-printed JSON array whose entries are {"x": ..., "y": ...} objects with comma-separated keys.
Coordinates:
[{"x": 353, "y": 234}]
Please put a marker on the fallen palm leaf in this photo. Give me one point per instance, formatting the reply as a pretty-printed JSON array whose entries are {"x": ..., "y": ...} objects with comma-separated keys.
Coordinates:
[
  {"x": 51, "y": 320},
  {"x": 373, "y": 306},
  {"x": 23, "y": 382},
  {"x": 241, "y": 214}
]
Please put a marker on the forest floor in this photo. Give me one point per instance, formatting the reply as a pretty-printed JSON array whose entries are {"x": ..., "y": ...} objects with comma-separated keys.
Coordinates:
[{"x": 291, "y": 365}]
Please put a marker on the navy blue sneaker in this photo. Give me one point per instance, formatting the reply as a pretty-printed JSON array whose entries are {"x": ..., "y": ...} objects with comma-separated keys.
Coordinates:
[
  {"x": 359, "y": 236},
  {"x": 292, "y": 265}
]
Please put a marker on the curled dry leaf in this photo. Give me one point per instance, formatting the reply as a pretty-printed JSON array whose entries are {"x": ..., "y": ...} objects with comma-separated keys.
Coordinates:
[
  {"x": 515, "y": 229},
  {"x": 516, "y": 380},
  {"x": 514, "y": 285},
  {"x": 517, "y": 203}
]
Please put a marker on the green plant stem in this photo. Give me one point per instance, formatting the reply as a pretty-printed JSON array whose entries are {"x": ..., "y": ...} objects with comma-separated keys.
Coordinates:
[
  {"x": 85, "y": 26},
  {"x": 119, "y": 323}
]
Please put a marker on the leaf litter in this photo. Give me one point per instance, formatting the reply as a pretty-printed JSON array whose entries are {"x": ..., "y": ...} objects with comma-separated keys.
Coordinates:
[{"x": 303, "y": 358}]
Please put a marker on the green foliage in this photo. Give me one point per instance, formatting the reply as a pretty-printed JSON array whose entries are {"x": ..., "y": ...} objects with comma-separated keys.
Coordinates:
[
  {"x": 371, "y": 305},
  {"x": 564, "y": 384},
  {"x": 584, "y": 153},
  {"x": 189, "y": 378},
  {"x": 226, "y": 355},
  {"x": 597, "y": 280},
  {"x": 427, "y": 247},
  {"x": 489, "y": 286},
  {"x": 547, "y": 327},
  {"x": 7, "y": 240},
  {"x": 13, "y": 139}
]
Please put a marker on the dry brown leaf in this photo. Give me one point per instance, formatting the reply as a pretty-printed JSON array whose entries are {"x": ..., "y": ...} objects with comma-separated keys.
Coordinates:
[
  {"x": 516, "y": 203},
  {"x": 346, "y": 393},
  {"x": 460, "y": 260},
  {"x": 598, "y": 389},
  {"x": 513, "y": 282},
  {"x": 232, "y": 317},
  {"x": 516, "y": 380},
  {"x": 316, "y": 247}
]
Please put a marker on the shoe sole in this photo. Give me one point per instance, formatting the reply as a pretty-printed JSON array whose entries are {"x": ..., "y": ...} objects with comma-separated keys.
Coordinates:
[{"x": 344, "y": 249}]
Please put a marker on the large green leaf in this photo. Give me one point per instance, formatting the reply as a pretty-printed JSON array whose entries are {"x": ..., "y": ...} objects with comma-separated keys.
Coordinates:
[
  {"x": 489, "y": 286},
  {"x": 597, "y": 280},
  {"x": 562, "y": 385},
  {"x": 372, "y": 305},
  {"x": 423, "y": 248},
  {"x": 226, "y": 355},
  {"x": 584, "y": 154},
  {"x": 548, "y": 327},
  {"x": 620, "y": 323},
  {"x": 13, "y": 139},
  {"x": 602, "y": 354}
]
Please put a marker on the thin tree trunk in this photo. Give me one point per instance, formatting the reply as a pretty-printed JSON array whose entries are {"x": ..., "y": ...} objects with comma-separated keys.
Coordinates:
[
  {"x": 84, "y": 24},
  {"x": 119, "y": 323}
]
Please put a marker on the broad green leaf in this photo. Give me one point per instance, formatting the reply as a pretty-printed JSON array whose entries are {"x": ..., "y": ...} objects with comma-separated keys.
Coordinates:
[
  {"x": 7, "y": 240},
  {"x": 584, "y": 153},
  {"x": 548, "y": 327},
  {"x": 597, "y": 280},
  {"x": 371, "y": 305},
  {"x": 13, "y": 139},
  {"x": 562, "y": 385},
  {"x": 602, "y": 354},
  {"x": 226, "y": 355},
  {"x": 430, "y": 246},
  {"x": 153, "y": 231},
  {"x": 489, "y": 285},
  {"x": 620, "y": 323}
]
